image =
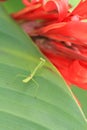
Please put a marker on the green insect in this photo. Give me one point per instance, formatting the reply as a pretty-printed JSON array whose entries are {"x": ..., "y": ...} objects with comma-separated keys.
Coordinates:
[{"x": 30, "y": 77}]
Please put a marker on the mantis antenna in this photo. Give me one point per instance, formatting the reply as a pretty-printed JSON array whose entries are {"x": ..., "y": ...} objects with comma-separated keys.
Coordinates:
[{"x": 27, "y": 79}]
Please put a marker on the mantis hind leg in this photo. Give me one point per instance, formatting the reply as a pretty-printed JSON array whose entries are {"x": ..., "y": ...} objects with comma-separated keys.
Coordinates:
[{"x": 37, "y": 87}]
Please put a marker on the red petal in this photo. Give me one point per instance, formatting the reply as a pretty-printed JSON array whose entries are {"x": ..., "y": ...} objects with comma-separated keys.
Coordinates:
[
  {"x": 60, "y": 5},
  {"x": 26, "y": 2},
  {"x": 81, "y": 9},
  {"x": 21, "y": 14},
  {"x": 31, "y": 2},
  {"x": 74, "y": 31},
  {"x": 78, "y": 74},
  {"x": 72, "y": 70},
  {"x": 50, "y": 5}
]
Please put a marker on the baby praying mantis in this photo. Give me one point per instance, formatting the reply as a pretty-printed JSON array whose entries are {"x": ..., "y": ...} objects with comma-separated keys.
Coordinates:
[
  {"x": 27, "y": 79},
  {"x": 30, "y": 77}
]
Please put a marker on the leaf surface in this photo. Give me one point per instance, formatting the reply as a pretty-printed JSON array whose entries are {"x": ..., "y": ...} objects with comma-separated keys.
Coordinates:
[{"x": 82, "y": 97}]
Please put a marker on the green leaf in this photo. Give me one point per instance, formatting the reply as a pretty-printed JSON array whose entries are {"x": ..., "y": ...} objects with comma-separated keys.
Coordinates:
[
  {"x": 52, "y": 107},
  {"x": 74, "y": 2},
  {"x": 13, "y": 5},
  {"x": 82, "y": 97}
]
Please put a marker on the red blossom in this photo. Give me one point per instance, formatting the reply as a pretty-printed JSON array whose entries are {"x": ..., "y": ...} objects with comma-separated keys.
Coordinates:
[{"x": 60, "y": 34}]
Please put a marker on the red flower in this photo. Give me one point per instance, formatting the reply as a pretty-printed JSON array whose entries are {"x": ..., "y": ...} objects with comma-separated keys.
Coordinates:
[{"x": 60, "y": 34}]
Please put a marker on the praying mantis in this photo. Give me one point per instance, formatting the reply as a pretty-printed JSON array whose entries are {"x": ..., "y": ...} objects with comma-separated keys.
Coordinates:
[{"x": 30, "y": 77}]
